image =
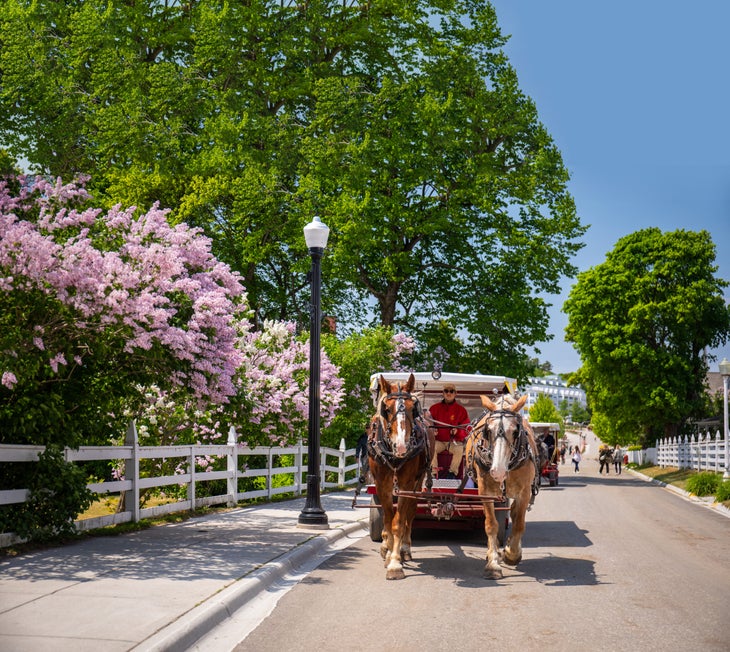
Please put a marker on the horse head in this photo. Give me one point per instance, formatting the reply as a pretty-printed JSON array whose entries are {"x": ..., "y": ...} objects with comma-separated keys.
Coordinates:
[
  {"x": 503, "y": 427},
  {"x": 399, "y": 409}
]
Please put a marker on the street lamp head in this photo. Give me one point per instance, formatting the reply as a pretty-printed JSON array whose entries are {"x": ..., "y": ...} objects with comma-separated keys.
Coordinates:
[
  {"x": 316, "y": 234},
  {"x": 725, "y": 367}
]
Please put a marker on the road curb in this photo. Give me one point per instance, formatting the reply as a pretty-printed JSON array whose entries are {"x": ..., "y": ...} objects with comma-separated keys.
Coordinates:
[
  {"x": 710, "y": 504},
  {"x": 194, "y": 624}
]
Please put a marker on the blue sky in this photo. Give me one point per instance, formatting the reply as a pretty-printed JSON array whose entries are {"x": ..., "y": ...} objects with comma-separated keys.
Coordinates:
[{"x": 637, "y": 99}]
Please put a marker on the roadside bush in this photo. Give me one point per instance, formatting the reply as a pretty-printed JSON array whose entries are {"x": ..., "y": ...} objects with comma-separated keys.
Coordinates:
[
  {"x": 58, "y": 493},
  {"x": 723, "y": 492},
  {"x": 703, "y": 484}
]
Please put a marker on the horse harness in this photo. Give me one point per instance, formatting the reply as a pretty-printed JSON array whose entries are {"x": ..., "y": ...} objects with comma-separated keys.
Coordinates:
[
  {"x": 482, "y": 452},
  {"x": 380, "y": 447}
]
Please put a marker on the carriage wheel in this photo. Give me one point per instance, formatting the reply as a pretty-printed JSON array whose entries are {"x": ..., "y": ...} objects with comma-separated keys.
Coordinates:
[
  {"x": 376, "y": 520},
  {"x": 553, "y": 478}
]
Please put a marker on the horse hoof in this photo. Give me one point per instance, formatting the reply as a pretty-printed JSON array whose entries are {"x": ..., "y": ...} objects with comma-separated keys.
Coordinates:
[
  {"x": 510, "y": 561},
  {"x": 406, "y": 556},
  {"x": 396, "y": 574},
  {"x": 493, "y": 574}
]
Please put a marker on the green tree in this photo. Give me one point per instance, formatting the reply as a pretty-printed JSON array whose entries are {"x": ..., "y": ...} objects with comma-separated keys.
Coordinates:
[
  {"x": 358, "y": 356},
  {"x": 563, "y": 408},
  {"x": 609, "y": 433},
  {"x": 400, "y": 122},
  {"x": 642, "y": 322},
  {"x": 579, "y": 414},
  {"x": 544, "y": 411}
]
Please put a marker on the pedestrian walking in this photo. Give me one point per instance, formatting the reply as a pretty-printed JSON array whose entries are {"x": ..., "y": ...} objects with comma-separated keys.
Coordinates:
[
  {"x": 604, "y": 458},
  {"x": 576, "y": 459},
  {"x": 618, "y": 458}
]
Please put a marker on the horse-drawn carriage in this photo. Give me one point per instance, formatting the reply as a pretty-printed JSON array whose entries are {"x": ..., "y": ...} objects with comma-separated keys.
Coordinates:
[
  {"x": 501, "y": 458},
  {"x": 548, "y": 434}
]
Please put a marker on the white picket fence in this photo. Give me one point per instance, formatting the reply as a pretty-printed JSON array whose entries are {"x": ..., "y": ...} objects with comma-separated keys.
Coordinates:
[
  {"x": 344, "y": 467},
  {"x": 702, "y": 452}
]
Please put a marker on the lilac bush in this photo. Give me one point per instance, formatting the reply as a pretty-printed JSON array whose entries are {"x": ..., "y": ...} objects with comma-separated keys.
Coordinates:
[
  {"x": 152, "y": 297},
  {"x": 78, "y": 284},
  {"x": 108, "y": 316},
  {"x": 276, "y": 377}
]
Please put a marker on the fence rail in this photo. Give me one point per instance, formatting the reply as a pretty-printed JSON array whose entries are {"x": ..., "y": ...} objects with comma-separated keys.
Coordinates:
[
  {"x": 334, "y": 463},
  {"x": 702, "y": 452}
]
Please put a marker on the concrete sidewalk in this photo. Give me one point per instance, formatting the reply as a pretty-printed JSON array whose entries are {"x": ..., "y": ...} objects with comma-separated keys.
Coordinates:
[{"x": 162, "y": 588}]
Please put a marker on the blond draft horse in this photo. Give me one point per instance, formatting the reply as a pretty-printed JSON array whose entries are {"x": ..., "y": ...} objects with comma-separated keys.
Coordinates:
[
  {"x": 399, "y": 450},
  {"x": 502, "y": 456}
]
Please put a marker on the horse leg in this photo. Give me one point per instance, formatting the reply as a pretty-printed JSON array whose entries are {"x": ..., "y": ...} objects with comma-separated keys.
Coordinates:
[
  {"x": 401, "y": 539},
  {"x": 492, "y": 569},
  {"x": 405, "y": 549},
  {"x": 389, "y": 515},
  {"x": 518, "y": 510},
  {"x": 383, "y": 478},
  {"x": 487, "y": 487}
]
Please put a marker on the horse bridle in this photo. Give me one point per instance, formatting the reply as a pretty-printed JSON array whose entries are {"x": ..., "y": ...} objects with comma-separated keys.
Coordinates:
[
  {"x": 484, "y": 449},
  {"x": 380, "y": 447}
]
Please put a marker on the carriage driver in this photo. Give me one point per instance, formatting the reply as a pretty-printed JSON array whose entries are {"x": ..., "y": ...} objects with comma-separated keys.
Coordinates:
[{"x": 446, "y": 416}]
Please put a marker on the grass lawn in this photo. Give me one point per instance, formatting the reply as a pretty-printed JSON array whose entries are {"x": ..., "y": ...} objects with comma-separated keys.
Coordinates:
[
  {"x": 673, "y": 476},
  {"x": 108, "y": 505}
]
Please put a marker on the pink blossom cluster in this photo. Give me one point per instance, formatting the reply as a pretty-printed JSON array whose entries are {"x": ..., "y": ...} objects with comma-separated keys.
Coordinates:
[
  {"x": 276, "y": 381},
  {"x": 403, "y": 346},
  {"x": 120, "y": 272}
]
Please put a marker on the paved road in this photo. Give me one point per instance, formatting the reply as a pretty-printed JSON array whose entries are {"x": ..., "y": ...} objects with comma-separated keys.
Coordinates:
[{"x": 610, "y": 563}]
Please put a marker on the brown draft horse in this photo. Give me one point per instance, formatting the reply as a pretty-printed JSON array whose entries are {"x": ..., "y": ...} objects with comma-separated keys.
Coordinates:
[
  {"x": 399, "y": 450},
  {"x": 501, "y": 454}
]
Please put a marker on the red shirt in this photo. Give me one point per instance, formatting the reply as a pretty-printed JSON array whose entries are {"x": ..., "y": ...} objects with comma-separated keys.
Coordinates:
[{"x": 454, "y": 414}]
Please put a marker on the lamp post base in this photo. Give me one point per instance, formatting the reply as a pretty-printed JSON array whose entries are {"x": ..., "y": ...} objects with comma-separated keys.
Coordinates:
[{"x": 313, "y": 519}]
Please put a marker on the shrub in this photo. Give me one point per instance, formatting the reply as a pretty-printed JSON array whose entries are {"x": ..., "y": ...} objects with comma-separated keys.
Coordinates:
[
  {"x": 703, "y": 484},
  {"x": 723, "y": 492},
  {"x": 58, "y": 493}
]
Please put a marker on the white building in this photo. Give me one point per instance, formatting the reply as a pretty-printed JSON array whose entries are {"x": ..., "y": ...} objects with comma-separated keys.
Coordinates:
[{"x": 558, "y": 391}]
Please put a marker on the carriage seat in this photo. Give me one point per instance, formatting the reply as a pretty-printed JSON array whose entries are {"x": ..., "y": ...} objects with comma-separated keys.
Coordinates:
[{"x": 444, "y": 462}]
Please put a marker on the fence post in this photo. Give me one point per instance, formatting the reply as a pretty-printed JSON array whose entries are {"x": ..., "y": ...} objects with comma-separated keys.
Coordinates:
[
  {"x": 718, "y": 453},
  {"x": 322, "y": 464},
  {"x": 191, "y": 484},
  {"x": 341, "y": 464},
  {"x": 660, "y": 445},
  {"x": 232, "y": 466},
  {"x": 132, "y": 439},
  {"x": 299, "y": 463},
  {"x": 269, "y": 477}
]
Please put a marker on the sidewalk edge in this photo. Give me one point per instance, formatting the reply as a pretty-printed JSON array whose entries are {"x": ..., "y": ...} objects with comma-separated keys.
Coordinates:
[{"x": 182, "y": 633}]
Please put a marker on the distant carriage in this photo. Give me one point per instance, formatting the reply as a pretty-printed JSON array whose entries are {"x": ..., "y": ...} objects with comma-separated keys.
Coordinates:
[{"x": 546, "y": 437}]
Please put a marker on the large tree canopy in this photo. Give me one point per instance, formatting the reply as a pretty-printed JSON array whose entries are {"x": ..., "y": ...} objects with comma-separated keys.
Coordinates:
[
  {"x": 641, "y": 322},
  {"x": 400, "y": 122}
]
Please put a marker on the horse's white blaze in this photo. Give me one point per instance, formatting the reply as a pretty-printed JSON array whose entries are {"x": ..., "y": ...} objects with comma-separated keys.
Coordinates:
[
  {"x": 400, "y": 441},
  {"x": 500, "y": 460}
]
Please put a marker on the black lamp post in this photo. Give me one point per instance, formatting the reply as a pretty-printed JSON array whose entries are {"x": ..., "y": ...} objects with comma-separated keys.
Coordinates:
[{"x": 313, "y": 516}]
